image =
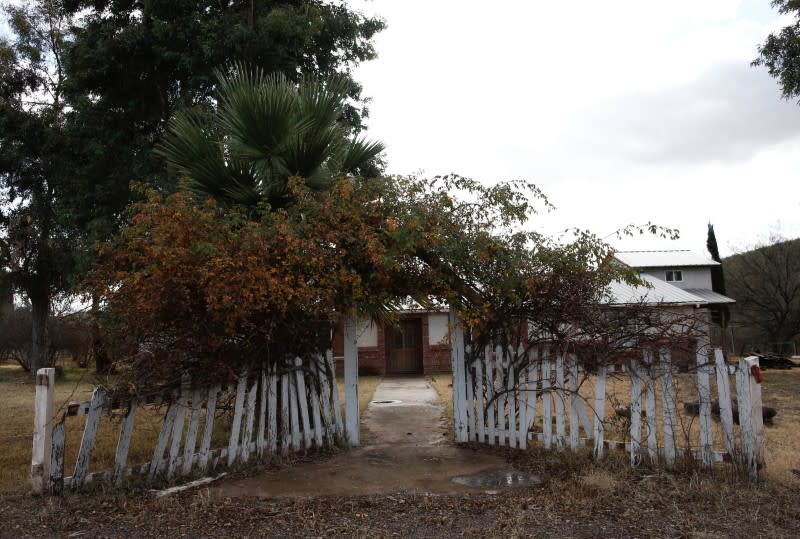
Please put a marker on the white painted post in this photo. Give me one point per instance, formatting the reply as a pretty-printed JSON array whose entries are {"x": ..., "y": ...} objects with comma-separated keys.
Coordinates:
[
  {"x": 56, "y": 481},
  {"x": 502, "y": 396},
  {"x": 668, "y": 407},
  {"x": 745, "y": 418},
  {"x": 89, "y": 435},
  {"x": 302, "y": 401},
  {"x": 724, "y": 396},
  {"x": 337, "y": 410},
  {"x": 560, "y": 431},
  {"x": 236, "y": 424},
  {"x": 480, "y": 411},
  {"x": 512, "y": 405},
  {"x": 123, "y": 445},
  {"x": 523, "y": 403},
  {"x": 574, "y": 397},
  {"x": 316, "y": 416},
  {"x": 650, "y": 407},
  {"x": 272, "y": 410},
  {"x": 249, "y": 421},
  {"x": 457, "y": 359},
  {"x": 636, "y": 413},
  {"x": 547, "y": 400},
  {"x": 42, "y": 429},
  {"x": 286, "y": 429},
  {"x": 205, "y": 443},
  {"x": 472, "y": 435},
  {"x": 261, "y": 441},
  {"x": 351, "y": 404},
  {"x": 751, "y": 406},
  {"x": 327, "y": 412},
  {"x": 294, "y": 414},
  {"x": 490, "y": 396},
  {"x": 163, "y": 439},
  {"x": 533, "y": 383},
  {"x": 600, "y": 411},
  {"x": 191, "y": 434},
  {"x": 704, "y": 391}
]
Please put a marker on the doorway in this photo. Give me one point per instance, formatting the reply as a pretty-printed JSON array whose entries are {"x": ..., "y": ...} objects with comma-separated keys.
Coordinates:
[{"x": 405, "y": 347}]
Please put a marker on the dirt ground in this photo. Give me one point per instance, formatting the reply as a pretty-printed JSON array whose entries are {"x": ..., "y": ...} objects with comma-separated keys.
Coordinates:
[{"x": 578, "y": 498}]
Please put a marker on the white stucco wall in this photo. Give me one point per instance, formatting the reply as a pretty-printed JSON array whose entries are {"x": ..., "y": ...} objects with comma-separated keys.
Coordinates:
[
  {"x": 366, "y": 333},
  {"x": 437, "y": 328},
  {"x": 692, "y": 277}
]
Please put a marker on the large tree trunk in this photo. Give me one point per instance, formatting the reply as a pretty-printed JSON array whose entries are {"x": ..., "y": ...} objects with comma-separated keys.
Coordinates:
[
  {"x": 40, "y": 310},
  {"x": 102, "y": 361}
]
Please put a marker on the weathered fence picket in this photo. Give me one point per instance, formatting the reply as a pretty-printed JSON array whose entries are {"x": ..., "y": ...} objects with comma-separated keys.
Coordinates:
[
  {"x": 89, "y": 435},
  {"x": 501, "y": 391}
]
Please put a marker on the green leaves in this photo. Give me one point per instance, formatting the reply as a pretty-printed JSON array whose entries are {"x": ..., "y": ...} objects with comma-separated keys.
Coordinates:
[{"x": 264, "y": 131}]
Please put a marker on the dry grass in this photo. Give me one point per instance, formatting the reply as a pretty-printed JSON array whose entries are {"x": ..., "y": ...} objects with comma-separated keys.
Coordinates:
[{"x": 16, "y": 429}]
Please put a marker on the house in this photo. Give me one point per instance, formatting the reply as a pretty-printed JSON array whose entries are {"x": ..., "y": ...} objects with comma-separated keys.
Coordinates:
[
  {"x": 678, "y": 279},
  {"x": 417, "y": 344}
]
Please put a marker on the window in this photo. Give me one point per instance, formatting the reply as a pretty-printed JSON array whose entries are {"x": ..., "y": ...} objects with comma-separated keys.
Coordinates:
[{"x": 674, "y": 276}]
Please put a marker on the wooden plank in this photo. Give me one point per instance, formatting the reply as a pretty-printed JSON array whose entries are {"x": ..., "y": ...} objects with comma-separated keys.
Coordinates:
[
  {"x": 758, "y": 466},
  {"x": 724, "y": 399},
  {"x": 500, "y": 390},
  {"x": 480, "y": 403},
  {"x": 668, "y": 407},
  {"x": 650, "y": 407},
  {"x": 316, "y": 416},
  {"x": 294, "y": 415},
  {"x": 302, "y": 402},
  {"x": 42, "y": 429},
  {"x": 745, "y": 419},
  {"x": 191, "y": 434},
  {"x": 205, "y": 443},
  {"x": 472, "y": 434},
  {"x": 490, "y": 416},
  {"x": 459, "y": 367},
  {"x": 261, "y": 441},
  {"x": 704, "y": 391},
  {"x": 123, "y": 445},
  {"x": 163, "y": 439},
  {"x": 574, "y": 397},
  {"x": 512, "y": 405},
  {"x": 351, "y": 405},
  {"x": 547, "y": 401},
  {"x": 533, "y": 383},
  {"x": 560, "y": 431},
  {"x": 600, "y": 411},
  {"x": 325, "y": 390},
  {"x": 56, "y": 471},
  {"x": 272, "y": 410},
  {"x": 236, "y": 422},
  {"x": 177, "y": 435},
  {"x": 89, "y": 435},
  {"x": 249, "y": 422},
  {"x": 523, "y": 403},
  {"x": 636, "y": 413},
  {"x": 337, "y": 409},
  {"x": 286, "y": 429}
]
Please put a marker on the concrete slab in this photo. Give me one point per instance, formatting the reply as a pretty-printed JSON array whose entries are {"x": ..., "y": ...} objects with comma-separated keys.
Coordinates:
[{"x": 405, "y": 449}]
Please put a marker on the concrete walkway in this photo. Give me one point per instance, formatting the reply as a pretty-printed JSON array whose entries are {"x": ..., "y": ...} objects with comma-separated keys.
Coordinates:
[{"x": 405, "y": 448}]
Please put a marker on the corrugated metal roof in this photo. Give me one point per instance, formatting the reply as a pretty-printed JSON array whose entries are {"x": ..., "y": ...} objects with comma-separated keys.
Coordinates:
[
  {"x": 661, "y": 292},
  {"x": 709, "y": 295},
  {"x": 663, "y": 259}
]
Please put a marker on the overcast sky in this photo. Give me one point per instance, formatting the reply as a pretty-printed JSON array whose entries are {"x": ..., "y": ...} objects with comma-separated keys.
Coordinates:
[{"x": 622, "y": 112}]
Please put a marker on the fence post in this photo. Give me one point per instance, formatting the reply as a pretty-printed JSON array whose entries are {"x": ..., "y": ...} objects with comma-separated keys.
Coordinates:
[
  {"x": 351, "y": 412},
  {"x": 459, "y": 378},
  {"x": 42, "y": 429}
]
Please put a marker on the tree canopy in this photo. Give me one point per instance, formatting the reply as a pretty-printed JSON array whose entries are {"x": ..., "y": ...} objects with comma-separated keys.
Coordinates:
[{"x": 780, "y": 52}]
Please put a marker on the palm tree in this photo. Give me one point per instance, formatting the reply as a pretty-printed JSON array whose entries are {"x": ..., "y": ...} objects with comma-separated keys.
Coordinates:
[{"x": 264, "y": 131}]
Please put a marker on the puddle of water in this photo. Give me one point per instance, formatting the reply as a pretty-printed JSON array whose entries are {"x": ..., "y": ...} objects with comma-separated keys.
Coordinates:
[
  {"x": 386, "y": 402},
  {"x": 511, "y": 478}
]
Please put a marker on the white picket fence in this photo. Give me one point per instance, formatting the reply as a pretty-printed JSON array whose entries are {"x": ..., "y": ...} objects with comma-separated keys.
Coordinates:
[
  {"x": 275, "y": 412},
  {"x": 495, "y": 402}
]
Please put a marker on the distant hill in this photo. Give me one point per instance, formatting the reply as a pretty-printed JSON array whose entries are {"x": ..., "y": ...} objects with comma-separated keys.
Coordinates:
[{"x": 765, "y": 282}]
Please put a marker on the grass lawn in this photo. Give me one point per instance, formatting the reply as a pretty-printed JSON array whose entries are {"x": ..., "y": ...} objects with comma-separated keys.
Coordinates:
[{"x": 16, "y": 428}]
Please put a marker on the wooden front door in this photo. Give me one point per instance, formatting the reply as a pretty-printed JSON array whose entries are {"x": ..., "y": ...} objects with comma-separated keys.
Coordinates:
[{"x": 405, "y": 352}]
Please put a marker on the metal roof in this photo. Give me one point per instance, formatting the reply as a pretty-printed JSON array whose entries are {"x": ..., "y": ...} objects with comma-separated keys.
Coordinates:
[
  {"x": 709, "y": 295},
  {"x": 663, "y": 259},
  {"x": 660, "y": 293}
]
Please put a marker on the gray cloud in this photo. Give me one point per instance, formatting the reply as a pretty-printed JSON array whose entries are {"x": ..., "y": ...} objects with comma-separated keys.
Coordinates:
[{"x": 731, "y": 113}]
